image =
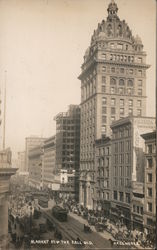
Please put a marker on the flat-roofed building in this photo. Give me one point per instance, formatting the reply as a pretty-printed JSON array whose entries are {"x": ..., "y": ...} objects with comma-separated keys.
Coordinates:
[
  {"x": 35, "y": 167},
  {"x": 127, "y": 169},
  {"x": 150, "y": 181},
  {"x": 49, "y": 162}
]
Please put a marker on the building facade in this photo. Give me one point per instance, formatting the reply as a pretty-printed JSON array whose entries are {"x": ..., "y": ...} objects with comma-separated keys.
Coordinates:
[
  {"x": 127, "y": 171},
  {"x": 150, "y": 181},
  {"x": 6, "y": 171},
  {"x": 35, "y": 167},
  {"x": 49, "y": 162},
  {"x": 68, "y": 148},
  {"x": 113, "y": 86},
  {"x": 103, "y": 165},
  {"x": 21, "y": 161},
  {"x": 31, "y": 142}
]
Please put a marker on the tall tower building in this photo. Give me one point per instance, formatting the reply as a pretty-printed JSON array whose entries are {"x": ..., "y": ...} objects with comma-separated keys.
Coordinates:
[{"x": 113, "y": 86}]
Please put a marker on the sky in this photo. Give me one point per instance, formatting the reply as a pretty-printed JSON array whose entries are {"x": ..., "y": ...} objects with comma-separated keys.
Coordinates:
[{"x": 42, "y": 44}]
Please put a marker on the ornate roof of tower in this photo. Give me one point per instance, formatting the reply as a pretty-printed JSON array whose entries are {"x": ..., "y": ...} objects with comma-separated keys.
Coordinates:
[
  {"x": 112, "y": 9},
  {"x": 113, "y": 30}
]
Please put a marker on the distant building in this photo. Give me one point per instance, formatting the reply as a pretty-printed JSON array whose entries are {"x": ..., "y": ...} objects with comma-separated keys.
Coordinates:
[
  {"x": 150, "y": 182},
  {"x": 21, "y": 161},
  {"x": 35, "y": 167},
  {"x": 127, "y": 171},
  {"x": 113, "y": 86},
  {"x": 68, "y": 148},
  {"x": 49, "y": 162},
  {"x": 31, "y": 142}
]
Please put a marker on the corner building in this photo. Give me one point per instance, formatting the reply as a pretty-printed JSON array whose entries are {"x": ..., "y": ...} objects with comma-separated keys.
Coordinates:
[{"x": 113, "y": 86}]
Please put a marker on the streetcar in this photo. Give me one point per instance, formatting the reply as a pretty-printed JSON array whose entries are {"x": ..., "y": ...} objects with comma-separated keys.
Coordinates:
[
  {"x": 43, "y": 201},
  {"x": 59, "y": 213}
]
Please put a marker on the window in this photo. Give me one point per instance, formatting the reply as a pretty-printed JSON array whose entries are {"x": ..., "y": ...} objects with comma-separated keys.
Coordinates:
[
  {"x": 130, "y": 102},
  {"x": 103, "y": 56},
  {"x": 103, "y": 79},
  {"x": 121, "y": 102},
  {"x": 149, "y": 163},
  {"x": 139, "y": 60},
  {"x": 121, "y": 90},
  {"x": 149, "y": 177},
  {"x": 119, "y": 46},
  {"x": 103, "y": 69},
  {"x": 103, "y": 110},
  {"x": 139, "y": 91},
  {"x": 113, "y": 118},
  {"x": 150, "y": 148},
  {"x": 140, "y": 73},
  {"x": 149, "y": 207},
  {"x": 138, "y": 209},
  {"x": 127, "y": 197},
  {"x": 115, "y": 195},
  {"x": 121, "y": 82},
  {"x": 141, "y": 210},
  {"x": 113, "y": 70},
  {"x": 107, "y": 196},
  {"x": 103, "y": 88},
  {"x": 113, "y": 103},
  {"x": 104, "y": 101},
  {"x": 139, "y": 83},
  {"x": 113, "y": 81},
  {"x": 149, "y": 222},
  {"x": 121, "y": 111},
  {"x": 134, "y": 208},
  {"x": 149, "y": 192},
  {"x": 130, "y": 71},
  {"x": 139, "y": 112},
  {"x": 121, "y": 197},
  {"x": 127, "y": 171},
  {"x": 130, "y": 111},
  {"x": 130, "y": 83},
  {"x": 104, "y": 119},
  {"x": 122, "y": 70},
  {"x": 120, "y": 170},
  {"x": 113, "y": 111},
  {"x": 112, "y": 90},
  {"x": 139, "y": 103},
  {"x": 112, "y": 45},
  {"x": 129, "y": 91}
]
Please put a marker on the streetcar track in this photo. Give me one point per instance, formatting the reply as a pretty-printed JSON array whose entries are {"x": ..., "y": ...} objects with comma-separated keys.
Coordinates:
[{"x": 71, "y": 232}]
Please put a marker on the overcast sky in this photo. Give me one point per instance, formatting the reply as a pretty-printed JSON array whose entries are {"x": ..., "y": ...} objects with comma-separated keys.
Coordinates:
[{"x": 42, "y": 44}]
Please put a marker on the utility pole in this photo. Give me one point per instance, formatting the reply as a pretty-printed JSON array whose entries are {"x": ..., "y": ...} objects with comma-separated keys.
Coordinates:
[{"x": 4, "y": 114}]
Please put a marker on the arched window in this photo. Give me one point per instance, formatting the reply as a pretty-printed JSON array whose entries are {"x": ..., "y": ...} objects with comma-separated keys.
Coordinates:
[
  {"x": 121, "y": 82},
  {"x": 113, "y": 81},
  {"x": 130, "y": 83}
]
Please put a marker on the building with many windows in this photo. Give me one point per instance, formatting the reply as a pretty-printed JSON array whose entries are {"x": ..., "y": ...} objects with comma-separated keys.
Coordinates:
[
  {"x": 103, "y": 164},
  {"x": 49, "y": 162},
  {"x": 68, "y": 149},
  {"x": 113, "y": 86},
  {"x": 30, "y": 143},
  {"x": 35, "y": 167},
  {"x": 150, "y": 181},
  {"x": 21, "y": 161},
  {"x": 127, "y": 169}
]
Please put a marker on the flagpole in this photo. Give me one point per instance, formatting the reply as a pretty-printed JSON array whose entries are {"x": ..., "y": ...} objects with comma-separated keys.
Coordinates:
[{"x": 4, "y": 115}]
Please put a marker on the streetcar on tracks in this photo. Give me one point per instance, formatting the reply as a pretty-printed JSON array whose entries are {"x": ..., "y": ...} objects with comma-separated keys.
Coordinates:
[{"x": 60, "y": 213}]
